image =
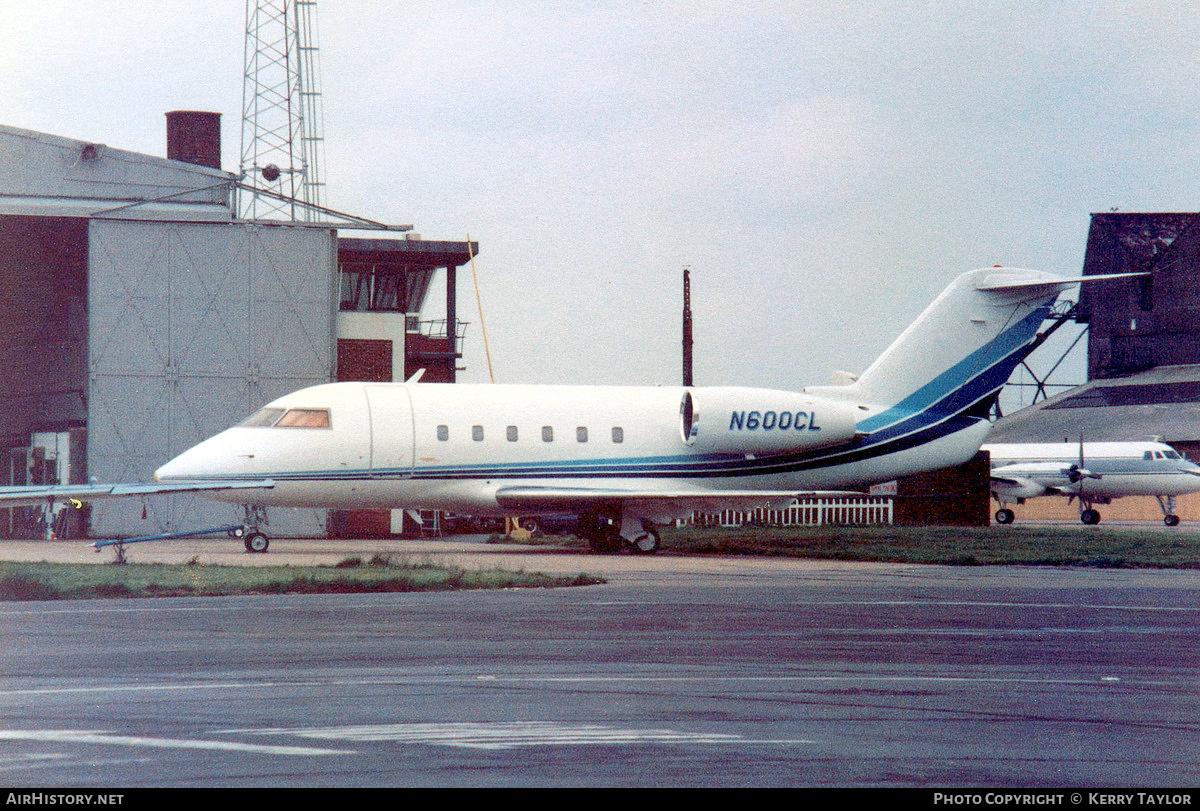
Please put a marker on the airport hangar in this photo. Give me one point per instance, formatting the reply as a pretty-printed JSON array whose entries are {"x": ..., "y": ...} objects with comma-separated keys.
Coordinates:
[
  {"x": 140, "y": 315},
  {"x": 1143, "y": 355}
]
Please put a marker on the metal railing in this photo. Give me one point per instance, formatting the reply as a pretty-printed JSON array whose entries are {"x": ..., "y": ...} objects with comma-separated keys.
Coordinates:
[{"x": 805, "y": 513}]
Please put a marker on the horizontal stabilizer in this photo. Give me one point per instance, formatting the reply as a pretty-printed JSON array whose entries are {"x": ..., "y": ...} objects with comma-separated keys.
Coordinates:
[{"x": 1005, "y": 279}]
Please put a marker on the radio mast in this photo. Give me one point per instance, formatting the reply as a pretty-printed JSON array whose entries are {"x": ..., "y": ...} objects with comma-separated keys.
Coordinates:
[{"x": 281, "y": 170}]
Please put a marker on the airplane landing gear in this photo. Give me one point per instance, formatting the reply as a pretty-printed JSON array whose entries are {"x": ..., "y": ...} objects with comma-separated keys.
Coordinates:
[
  {"x": 640, "y": 535},
  {"x": 255, "y": 541},
  {"x": 601, "y": 531},
  {"x": 1004, "y": 516},
  {"x": 1167, "y": 505},
  {"x": 607, "y": 533},
  {"x": 1089, "y": 516}
]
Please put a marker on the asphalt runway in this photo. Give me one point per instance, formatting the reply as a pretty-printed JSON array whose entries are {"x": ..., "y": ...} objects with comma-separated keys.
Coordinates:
[{"x": 678, "y": 672}]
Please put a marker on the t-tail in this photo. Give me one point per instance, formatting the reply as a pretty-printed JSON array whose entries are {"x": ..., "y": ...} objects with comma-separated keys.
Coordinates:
[{"x": 941, "y": 377}]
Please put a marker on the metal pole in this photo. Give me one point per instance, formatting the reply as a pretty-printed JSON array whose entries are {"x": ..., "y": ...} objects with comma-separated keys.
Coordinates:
[
  {"x": 687, "y": 327},
  {"x": 452, "y": 319}
]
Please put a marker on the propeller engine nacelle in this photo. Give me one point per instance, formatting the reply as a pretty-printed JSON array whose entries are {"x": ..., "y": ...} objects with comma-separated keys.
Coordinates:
[{"x": 742, "y": 420}]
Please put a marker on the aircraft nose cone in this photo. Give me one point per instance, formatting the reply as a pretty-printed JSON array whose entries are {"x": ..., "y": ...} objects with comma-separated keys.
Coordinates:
[
  {"x": 168, "y": 472},
  {"x": 204, "y": 461}
]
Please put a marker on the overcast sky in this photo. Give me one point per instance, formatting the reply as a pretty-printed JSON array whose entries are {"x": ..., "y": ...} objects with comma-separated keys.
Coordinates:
[{"x": 823, "y": 168}]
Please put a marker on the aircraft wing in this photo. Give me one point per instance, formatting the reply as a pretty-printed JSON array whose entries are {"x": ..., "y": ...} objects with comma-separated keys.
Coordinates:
[
  {"x": 23, "y": 496},
  {"x": 549, "y": 499},
  {"x": 1021, "y": 487}
]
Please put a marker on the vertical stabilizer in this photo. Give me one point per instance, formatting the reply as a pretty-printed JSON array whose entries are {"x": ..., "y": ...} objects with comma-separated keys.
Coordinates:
[{"x": 968, "y": 340}]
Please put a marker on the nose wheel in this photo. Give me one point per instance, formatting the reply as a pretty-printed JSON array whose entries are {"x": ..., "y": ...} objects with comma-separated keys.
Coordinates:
[
  {"x": 1167, "y": 505},
  {"x": 255, "y": 541}
]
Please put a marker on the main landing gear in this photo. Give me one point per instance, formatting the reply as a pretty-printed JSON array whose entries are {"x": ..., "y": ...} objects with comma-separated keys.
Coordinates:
[
  {"x": 1090, "y": 516},
  {"x": 608, "y": 532}
]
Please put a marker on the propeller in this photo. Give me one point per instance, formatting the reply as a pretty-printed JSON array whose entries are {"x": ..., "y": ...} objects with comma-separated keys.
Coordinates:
[{"x": 1076, "y": 473}]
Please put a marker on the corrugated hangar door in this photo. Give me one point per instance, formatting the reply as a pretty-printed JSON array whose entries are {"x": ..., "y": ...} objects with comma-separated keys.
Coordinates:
[{"x": 192, "y": 327}]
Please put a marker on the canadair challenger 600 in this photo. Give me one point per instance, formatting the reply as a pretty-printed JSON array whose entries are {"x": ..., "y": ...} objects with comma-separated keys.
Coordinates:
[{"x": 628, "y": 458}]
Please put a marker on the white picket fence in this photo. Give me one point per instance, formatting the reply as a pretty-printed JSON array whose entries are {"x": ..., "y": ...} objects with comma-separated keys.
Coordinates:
[{"x": 806, "y": 513}]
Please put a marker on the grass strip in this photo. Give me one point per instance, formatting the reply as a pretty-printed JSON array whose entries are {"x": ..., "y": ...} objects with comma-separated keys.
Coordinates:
[
  {"x": 66, "y": 581},
  {"x": 1104, "y": 546},
  {"x": 1112, "y": 547}
]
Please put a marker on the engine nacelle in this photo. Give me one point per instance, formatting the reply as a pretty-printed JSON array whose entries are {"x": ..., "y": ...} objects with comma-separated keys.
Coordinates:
[{"x": 742, "y": 420}]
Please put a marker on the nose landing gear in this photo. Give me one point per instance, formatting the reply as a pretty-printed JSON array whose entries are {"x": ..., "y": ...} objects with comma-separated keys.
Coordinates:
[{"x": 255, "y": 541}]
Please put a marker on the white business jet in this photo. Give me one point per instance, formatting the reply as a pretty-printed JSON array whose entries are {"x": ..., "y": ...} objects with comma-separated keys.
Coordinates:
[
  {"x": 628, "y": 458},
  {"x": 1092, "y": 472}
]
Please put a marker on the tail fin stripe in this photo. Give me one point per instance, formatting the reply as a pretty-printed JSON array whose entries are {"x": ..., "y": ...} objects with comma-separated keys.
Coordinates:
[{"x": 999, "y": 356}]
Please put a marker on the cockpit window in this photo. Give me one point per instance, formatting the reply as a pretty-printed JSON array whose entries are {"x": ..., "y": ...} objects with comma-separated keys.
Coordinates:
[
  {"x": 304, "y": 418},
  {"x": 1172, "y": 455},
  {"x": 263, "y": 418},
  {"x": 287, "y": 418}
]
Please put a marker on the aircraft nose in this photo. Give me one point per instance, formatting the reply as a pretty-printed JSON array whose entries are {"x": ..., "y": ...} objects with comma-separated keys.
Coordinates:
[
  {"x": 171, "y": 471},
  {"x": 204, "y": 461}
]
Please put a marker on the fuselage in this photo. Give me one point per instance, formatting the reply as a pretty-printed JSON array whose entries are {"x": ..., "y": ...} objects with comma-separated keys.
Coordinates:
[
  {"x": 372, "y": 445},
  {"x": 1116, "y": 469},
  {"x": 626, "y": 451}
]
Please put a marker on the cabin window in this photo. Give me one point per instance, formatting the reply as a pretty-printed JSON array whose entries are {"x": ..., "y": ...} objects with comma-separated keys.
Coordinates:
[
  {"x": 1148, "y": 455},
  {"x": 512, "y": 433},
  {"x": 304, "y": 418},
  {"x": 443, "y": 433},
  {"x": 547, "y": 433},
  {"x": 581, "y": 434},
  {"x": 477, "y": 433},
  {"x": 618, "y": 435},
  {"x": 263, "y": 418}
]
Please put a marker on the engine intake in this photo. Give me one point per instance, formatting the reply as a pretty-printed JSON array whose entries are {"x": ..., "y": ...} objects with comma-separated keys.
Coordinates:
[{"x": 743, "y": 420}]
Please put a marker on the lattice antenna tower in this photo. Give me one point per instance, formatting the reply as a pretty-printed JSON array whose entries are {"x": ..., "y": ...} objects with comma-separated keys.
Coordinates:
[{"x": 282, "y": 133}]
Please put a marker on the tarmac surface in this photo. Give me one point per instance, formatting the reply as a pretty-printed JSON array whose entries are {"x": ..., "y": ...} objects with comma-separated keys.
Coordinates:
[{"x": 702, "y": 672}]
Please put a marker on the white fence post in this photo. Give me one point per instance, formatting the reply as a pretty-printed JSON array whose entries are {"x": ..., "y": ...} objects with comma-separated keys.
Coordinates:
[{"x": 812, "y": 512}]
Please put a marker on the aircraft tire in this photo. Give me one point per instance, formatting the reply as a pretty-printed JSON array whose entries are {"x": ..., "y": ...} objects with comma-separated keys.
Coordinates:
[
  {"x": 646, "y": 544},
  {"x": 1090, "y": 517},
  {"x": 256, "y": 543},
  {"x": 1004, "y": 516},
  {"x": 1171, "y": 520},
  {"x": 602, "y": 534}
]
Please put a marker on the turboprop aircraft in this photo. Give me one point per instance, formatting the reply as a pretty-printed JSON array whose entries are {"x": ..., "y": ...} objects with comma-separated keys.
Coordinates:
[
  {"x": 627, "y": 458},
  {"x": 1092, "y": 472}
]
